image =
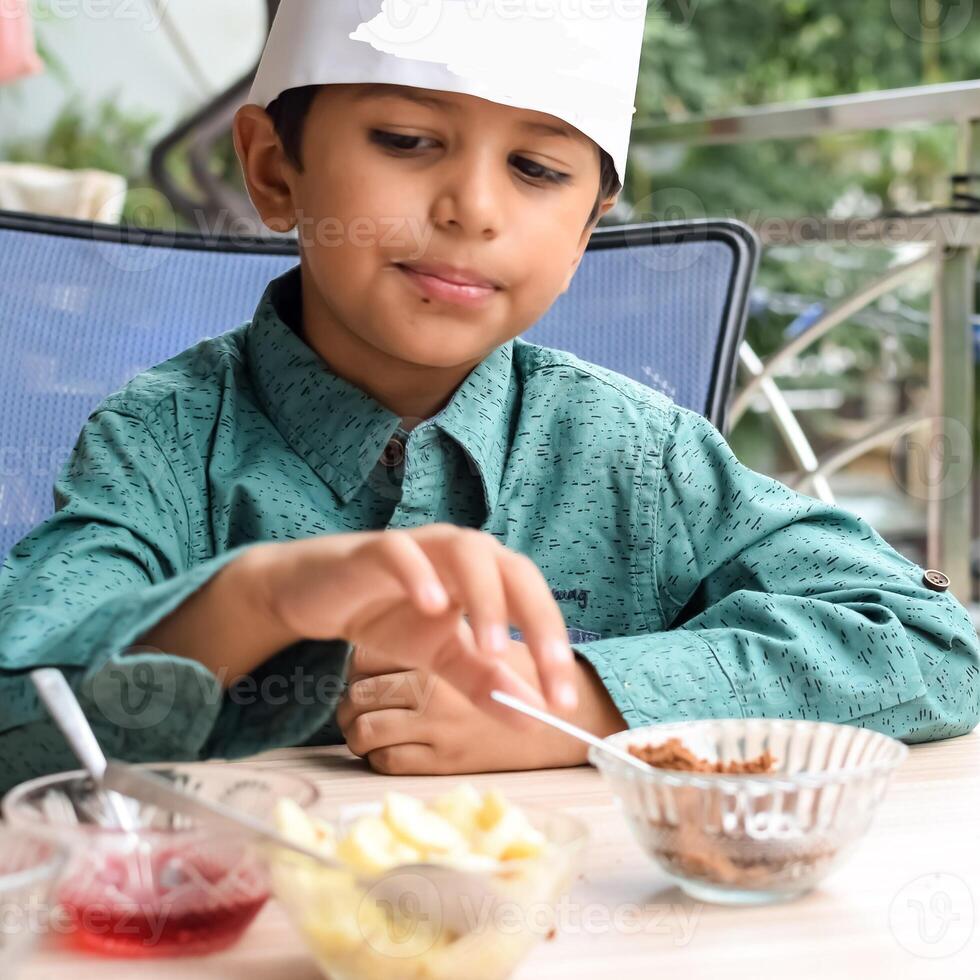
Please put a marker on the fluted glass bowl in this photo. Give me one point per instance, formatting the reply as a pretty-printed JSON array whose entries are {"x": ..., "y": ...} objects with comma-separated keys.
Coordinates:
[
  {"x": 356, "y": 928},
  {"x": 172, "y": 887},
  {"x": 29, "y": 867},
  {"x": 753, "y": 839}
]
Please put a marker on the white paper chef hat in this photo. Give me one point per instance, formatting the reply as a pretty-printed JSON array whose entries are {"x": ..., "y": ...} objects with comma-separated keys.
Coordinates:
[{"x": 575, "y": 59}]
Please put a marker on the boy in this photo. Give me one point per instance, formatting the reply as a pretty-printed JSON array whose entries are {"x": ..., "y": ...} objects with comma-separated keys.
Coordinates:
[{"x": 218, "y": 536}]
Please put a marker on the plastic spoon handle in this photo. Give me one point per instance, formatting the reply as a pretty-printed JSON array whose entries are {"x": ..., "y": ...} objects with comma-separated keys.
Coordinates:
[
  {"x": 150, "y": 788},
  {"x": 569, "y": 729},
  {"x": 60, "y": 700}
]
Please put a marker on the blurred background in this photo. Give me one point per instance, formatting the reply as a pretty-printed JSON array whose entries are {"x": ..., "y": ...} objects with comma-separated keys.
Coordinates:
[{"x": 120, "y": 85}]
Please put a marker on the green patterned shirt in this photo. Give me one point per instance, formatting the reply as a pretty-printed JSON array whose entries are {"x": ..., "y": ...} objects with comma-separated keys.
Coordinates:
[{"x": 696, "y": 587}]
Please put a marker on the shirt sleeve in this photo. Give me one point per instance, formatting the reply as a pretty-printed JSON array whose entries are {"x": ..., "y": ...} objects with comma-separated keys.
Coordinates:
[
  {"x": 81, "y": 588},
  {"x": 780, "y": 605}
]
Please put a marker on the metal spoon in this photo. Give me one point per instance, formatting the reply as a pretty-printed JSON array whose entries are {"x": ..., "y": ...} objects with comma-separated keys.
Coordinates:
[
  {"x": 452, "y": 891},
  {"x": 60, "y": 700},
  {"x": 569, "y": 729}
]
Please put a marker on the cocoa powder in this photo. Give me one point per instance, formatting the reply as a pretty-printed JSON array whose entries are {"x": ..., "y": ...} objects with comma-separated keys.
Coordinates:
[
  {"x": 674, "y": 754},
  {"x": 733, "y": 859}
]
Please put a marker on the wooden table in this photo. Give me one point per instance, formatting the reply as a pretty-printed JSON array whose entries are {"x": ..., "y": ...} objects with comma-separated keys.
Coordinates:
[{"x": 905, "y": 904}]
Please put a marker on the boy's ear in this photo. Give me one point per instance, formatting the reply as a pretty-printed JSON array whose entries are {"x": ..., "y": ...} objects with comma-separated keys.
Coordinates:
[
  {"x": 583, "y": 244},
  {"x": 264, "y": 167}
]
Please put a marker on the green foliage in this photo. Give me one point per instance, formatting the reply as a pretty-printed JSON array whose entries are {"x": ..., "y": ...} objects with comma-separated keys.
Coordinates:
[
  {"x": 104, "y": 138},
  {"x": 715, "y": 56},
  {"x": 108, "y": 139},
  {"x": 718, "y": 56}
]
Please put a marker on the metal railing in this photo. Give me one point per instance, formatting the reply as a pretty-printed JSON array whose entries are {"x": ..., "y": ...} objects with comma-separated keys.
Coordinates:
[{"x": 949, "y": 235}]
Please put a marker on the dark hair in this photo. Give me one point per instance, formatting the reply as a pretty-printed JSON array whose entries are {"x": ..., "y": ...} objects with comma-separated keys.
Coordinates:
[{"x": 290, "y": 110}]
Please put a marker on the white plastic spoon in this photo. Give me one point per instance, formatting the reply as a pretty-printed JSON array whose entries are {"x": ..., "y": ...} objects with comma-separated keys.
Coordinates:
[{"x": 569, "y": 729}]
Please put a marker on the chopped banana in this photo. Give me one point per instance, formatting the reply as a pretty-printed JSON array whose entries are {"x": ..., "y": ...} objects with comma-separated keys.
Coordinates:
[
  {"x": 356, "y": 931},
  {"x": 460, "y": 807},
  {"x": 419, "y": 826},
  {"x": 493, "y": 809},
  {"x": 462, "y": 828},
  {"x": 371, "y": 846},
  {"x": 294, "y": 822},
  {"x": 511, "y": 837}
]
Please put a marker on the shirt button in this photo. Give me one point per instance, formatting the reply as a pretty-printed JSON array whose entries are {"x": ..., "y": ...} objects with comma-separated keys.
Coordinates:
[
  {"x": 394, "y": 452},
  {"x": 936, "y": 581}
]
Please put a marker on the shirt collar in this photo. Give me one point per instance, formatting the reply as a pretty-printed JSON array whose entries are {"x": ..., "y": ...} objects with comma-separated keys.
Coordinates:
[
  {"x": 480, "y": 416},
  {"x": 340, "y": 430}
]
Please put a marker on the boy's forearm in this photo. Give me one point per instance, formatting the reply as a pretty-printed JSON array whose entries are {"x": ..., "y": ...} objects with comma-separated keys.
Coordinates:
[{"x": 227, "y": 625}]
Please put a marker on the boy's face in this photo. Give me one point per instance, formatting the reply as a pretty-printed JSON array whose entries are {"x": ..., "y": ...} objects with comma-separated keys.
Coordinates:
[{"x": 389, "y": 180}]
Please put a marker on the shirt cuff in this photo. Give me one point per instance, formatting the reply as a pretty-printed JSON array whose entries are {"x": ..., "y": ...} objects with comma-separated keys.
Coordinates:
[
  {"x": 288, "y": 700},
  {"x": 663, "y": 677},
  {"x": 151, "y": 705},
  {"x": 144, "y": 704}
]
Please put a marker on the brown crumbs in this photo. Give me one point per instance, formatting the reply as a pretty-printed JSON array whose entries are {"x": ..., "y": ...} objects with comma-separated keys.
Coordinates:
[{"x": 674, "y": 754}]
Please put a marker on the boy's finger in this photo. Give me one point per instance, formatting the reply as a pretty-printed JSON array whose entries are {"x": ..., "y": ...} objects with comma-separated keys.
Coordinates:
[
  {"x": 473, "y": 568},
  {"x": 333, "y": 588},
  {"x": 400, "y": 638},
  {"x": 535, "y": 612},
  {"x": 397, "y": 553},
  {"x": 500, "y": 677},
  {"x": 407, "y": 689},
  {"x": 372, "y": 653},
  {"x": 404, "y": 760},
  {"x": 380, "y": 729},
  {"x": 474, "y": 675}
]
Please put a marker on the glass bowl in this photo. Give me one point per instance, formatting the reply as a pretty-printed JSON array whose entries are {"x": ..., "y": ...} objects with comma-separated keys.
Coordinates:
[
  {"x": 29, "y": 867},
  {"x": 171, "y": 887},
  {"x": 357, "y": 929},
  {"x": 753, "y": 839}
]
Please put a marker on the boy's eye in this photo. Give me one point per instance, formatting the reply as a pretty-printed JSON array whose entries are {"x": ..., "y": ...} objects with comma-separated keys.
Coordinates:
[
  {"x": 395, "y": 141},
  {"x": 543, "y": 173},
  {"x": 401, "y": 142}
]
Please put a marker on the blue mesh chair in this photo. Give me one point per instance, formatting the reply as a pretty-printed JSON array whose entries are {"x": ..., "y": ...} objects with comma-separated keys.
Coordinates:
[{"x": 84, "y": 307}]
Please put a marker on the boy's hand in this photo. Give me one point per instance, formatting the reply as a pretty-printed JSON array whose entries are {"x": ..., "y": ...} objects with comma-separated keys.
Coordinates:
[
  {"x": 403, "y": 594},
  {"x": 410, "y": 722}
]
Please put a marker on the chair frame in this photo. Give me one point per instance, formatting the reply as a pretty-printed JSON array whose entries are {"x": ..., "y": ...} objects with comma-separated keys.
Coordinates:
[{"x": 738, "y": 237}]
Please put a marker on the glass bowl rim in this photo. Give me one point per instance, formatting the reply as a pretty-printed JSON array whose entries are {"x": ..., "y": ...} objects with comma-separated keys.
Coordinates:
[
  {"x": 763, "y": 782},
  {"x": 47, "y": 870},
  {"x": 15, "y": 796},
  {"x": 577, "y": 824}
]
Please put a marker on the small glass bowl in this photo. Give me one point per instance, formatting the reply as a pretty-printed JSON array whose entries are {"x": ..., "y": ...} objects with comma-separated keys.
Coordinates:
[
  {"x": 759, "y": 838},
  {"x": 29, "y": 867},
  {"x": 357, "y": 928},
  {"x": 171, "y": 887}
]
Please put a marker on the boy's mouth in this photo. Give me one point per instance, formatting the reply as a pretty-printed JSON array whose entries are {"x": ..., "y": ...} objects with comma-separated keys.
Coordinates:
[
  {"x": 425, "y": 279},
  {"x": 451, "y": 274}
]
